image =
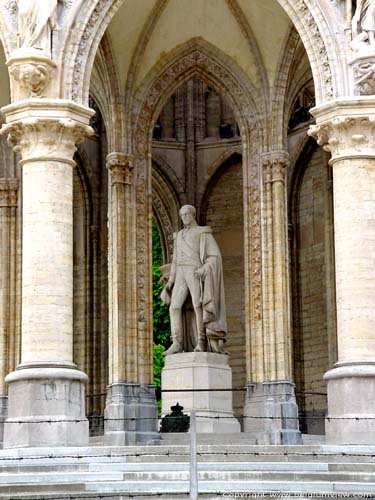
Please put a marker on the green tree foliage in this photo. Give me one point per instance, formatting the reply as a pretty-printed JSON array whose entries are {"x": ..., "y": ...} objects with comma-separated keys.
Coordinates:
[
  {"x": 162, "y": 331},
  {"x": 161, "y": 326}
]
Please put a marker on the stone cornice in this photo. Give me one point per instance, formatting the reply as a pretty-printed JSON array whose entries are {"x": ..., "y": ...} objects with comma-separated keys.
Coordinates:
[
  {"x": 121, "y": 166},
  {"x": 346, "y": 128}
]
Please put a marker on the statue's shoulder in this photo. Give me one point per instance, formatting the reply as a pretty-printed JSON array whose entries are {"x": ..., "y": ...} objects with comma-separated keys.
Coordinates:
[{"x": 205, "y": 229}]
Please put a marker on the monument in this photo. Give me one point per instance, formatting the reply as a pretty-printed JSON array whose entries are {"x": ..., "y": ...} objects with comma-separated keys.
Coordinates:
[{"x": 196, "y": 361}]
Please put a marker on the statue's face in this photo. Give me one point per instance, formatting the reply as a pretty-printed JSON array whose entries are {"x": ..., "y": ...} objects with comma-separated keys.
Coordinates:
[{"x": 187, "y": 216}]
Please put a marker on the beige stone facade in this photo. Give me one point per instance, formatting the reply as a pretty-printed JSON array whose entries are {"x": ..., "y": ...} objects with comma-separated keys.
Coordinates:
[{"x": 117, "y": 112}]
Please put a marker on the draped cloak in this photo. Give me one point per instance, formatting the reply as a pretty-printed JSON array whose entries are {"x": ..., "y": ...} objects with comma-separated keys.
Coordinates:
[
  {"x": 212, "y": 291},
  {"x": 35, "y": 20}
]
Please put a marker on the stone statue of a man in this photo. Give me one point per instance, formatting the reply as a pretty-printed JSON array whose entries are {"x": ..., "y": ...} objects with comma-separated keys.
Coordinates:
[
  {"x": 195, "y": 289},
  {"x": 36, "y": 19},
  {"x": 363, "y": 24}
]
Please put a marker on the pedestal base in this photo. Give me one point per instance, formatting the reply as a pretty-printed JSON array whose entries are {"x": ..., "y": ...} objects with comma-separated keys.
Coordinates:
[
  {"x": 271, "y": 413},
  {"x": 130, "y": 416},
  {"x": 3, "y": 416},
  {"x": 195, "y": 371},
  {"x": 46, "y": 407},
  {"x": 351, "y": 410}
]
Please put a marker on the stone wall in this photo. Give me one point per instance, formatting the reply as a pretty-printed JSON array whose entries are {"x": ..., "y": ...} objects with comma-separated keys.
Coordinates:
[
  {"x": 312, "y": 321},
  {"x": 224, "y": 213}
]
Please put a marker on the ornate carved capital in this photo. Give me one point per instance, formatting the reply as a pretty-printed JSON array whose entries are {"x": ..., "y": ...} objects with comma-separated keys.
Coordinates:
[
  {"x": 8, "y": 192},
  {"x": 121, "y": 167},
  {"x": 46, "y": 130},
  {"x": 346, "y": 129},
  {"x": 346, "y": 136},
  {"x": 275, "y": 165},
  {"x": 32, "y": 73},
  {"x": 45, "y": 139}
]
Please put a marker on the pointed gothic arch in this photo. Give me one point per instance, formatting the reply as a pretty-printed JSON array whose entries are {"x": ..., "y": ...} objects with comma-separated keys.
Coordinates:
[{"x": 199, "y": 59}]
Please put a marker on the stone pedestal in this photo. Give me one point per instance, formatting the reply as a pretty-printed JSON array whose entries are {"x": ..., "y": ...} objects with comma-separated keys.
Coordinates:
[
  {"x": 201, "y": 374},
  {"x": 46, "y": 407},
  {"x": 271, "y": 413},
  {"x": 351, "y": 396},
  {"x": 130, "y": 416}
]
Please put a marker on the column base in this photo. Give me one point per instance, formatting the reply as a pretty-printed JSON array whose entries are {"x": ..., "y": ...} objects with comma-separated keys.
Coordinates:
[
  {"x": 130, "y": 416},
  {"x": 351, "y": 396},
  {"x": 275, "y": 400},
  {"x": 200, "y": 370},
  {"x": 46, "y": 407}
]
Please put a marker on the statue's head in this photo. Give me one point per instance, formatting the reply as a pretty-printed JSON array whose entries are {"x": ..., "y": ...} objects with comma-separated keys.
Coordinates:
[{"x": 187, "y": 214}]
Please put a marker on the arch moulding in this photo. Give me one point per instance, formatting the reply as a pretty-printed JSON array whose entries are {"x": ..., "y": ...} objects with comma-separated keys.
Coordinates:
[{"x": 309, "y": 19}]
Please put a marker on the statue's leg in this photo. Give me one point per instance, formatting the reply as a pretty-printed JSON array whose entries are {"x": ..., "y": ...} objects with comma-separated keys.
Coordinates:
[
  {"x": 195, "y": 292},
  {"x": 179, "y": 294}
]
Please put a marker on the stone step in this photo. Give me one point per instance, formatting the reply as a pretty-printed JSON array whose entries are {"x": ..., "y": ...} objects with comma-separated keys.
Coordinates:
[
  {"x": 60, "y": 477},
  {"x": 217, "y": 486},
  {"x": 209, "y": 466}
]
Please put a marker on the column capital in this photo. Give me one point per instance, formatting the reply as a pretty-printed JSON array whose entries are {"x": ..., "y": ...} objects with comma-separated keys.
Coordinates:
[
  {"x": 121, "y": 166},
  {"x": 8, "y": 192},
  {"x": 275, "y": 164},
  {"x": 346, "y": 128},
  {"x": 46, "y": 129}
]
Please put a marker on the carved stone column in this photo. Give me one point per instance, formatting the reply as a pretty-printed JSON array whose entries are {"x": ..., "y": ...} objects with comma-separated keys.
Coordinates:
[
  {"x": 347, "y": 130},
  {"x": 275, "y": 396},
  {"x": 46, "y": 386},
  {"x": 9, "y": 341},
  {"x": 127, "y": 399}
]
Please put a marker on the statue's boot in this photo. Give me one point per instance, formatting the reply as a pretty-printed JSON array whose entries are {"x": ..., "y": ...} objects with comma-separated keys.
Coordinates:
[
  {"x": 202, "y": 343},
  {"x": 176, "y": 346}
]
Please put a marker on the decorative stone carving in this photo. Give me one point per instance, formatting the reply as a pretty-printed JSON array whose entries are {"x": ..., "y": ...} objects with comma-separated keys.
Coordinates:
[
  {"x": 346, "y": 136},
  {"x": 364, "y": 75},
  {"x": 8, "y": 192},
  {"x": 121, "y": 167},
  {"x": 275, "y": 169},
  {"x": 97, "y": 15},
  {"x": 32, "y": 73},
  {"x": 40, "y": 138}
]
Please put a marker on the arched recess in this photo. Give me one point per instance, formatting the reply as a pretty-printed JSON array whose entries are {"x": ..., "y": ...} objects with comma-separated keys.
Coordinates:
[
  {"x": 313, "y": 283},
  {"x": 199, "y": 59},
  {"x": 222, "y": 209},
  {"x": 316, "y": 23}
]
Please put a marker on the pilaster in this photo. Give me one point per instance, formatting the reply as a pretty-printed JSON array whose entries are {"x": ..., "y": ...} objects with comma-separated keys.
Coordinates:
[
  {"x": 345, "y": 128},
  {"x": 273, "y": 399},
  {"x": 9, "y": 342},
  {"x": 277, "y": 322},
  {"x": 46, "y": 386},
  {"x": 130, "y": 415}
]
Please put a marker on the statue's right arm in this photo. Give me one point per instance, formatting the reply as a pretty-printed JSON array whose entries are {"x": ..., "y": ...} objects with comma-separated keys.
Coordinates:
[{"x": 172, "y": 273}]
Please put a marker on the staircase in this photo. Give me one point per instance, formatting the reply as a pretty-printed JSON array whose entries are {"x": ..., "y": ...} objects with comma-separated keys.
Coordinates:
[{"x": 307, "y": 471}]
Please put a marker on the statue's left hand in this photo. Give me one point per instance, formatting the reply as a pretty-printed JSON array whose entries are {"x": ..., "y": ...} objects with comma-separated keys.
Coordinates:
[{"x": 200, "y": 273}]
